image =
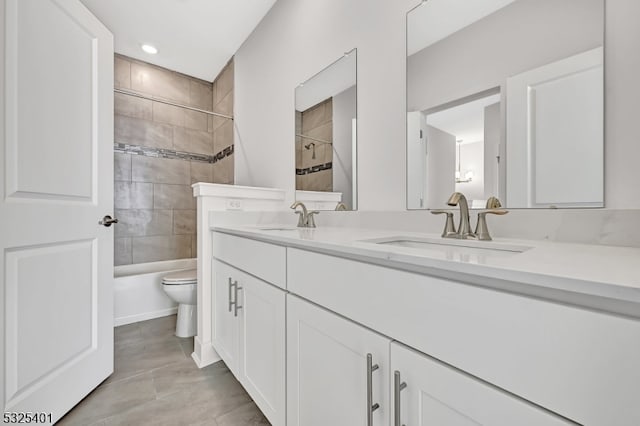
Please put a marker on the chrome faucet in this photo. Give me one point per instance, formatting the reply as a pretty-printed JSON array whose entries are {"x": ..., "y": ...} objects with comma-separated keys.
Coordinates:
[
  {"x": 305, "y": 219},
  {"x": 464, "y": 228}
]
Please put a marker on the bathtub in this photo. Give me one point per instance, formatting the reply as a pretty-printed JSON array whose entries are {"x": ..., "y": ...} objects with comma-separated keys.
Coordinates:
[{"x": 138, "y": 294}]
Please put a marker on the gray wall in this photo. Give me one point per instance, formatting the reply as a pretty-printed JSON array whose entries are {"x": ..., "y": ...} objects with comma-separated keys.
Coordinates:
[
  {"x": 524, "y": 35},
  {"x": 298, "y": 38},
  {"x": 152, "y": 196},
  {"x": 344, "y": 111}
]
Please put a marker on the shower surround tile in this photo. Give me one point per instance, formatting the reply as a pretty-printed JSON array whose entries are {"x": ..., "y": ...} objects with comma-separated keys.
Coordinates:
[
  {"x": 201, "y": 172},
  {"x": 122, "y": 251},
  {"x": 164, "y": 247},
  {"x": 121, "y": 166},
  {"x": 195, "y": 120},
  {"x": 133, "y": 195},
  {"x": 132, "y": 106},
  {"x": 122, "y": 73},
  {"x": 135, "y": 131},
  {"x": 173, "y": 197},
  {"x": 160, "y": 170},
  {"x": 162, "y": 83},
  {"x": 169, "y": 114},
  {"x": 161, "y": 150},
  {"x": 189, "y": 140},
  {"x": 201, "y": 95},
  {"x": 184, "y": 222},
  {"x": 138, "y": 223}
]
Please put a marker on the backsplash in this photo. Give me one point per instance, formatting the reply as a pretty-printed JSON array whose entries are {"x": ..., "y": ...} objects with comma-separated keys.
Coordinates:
[
  {"x": 583, "y": 226},
  {"x": 160, "y": 150}
]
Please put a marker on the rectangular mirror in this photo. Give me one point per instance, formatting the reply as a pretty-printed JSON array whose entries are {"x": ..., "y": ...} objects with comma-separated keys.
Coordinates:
[
  {"x": 326, "y": 136},
  {"x": 505, "y": 98}
]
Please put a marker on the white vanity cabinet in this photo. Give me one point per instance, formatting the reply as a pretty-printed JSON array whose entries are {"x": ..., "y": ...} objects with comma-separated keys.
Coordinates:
[
  {"x": 426, "y": 392},
  {"x": 249, "y": 326},
  {"x": 337, "y": 371}
]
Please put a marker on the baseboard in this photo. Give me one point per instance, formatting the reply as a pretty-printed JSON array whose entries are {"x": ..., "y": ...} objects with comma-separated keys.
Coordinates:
[
  {"x": 204, "y": 355},
  {"x": 144, "y": 316}
]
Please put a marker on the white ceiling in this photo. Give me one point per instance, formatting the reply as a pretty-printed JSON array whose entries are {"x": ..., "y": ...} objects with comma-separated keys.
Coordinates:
[
  {"x": 466, "y": 121},
  {"x": 194, "y": 37},
  {"x": 434, "y": 20},
  {"x": 334, "y": 79}
]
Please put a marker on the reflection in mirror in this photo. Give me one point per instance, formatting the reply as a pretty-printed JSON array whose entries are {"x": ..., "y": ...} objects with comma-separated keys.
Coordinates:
[
  {"x": 505, "y": 98},
  {"x": 325, "y": 137}
]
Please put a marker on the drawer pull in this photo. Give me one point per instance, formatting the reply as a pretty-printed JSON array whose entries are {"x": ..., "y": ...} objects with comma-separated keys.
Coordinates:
[
  {"x": 371, "y": 407},
  {"x": 398, "y": 385},
  {"x": 232, "y": 301}
]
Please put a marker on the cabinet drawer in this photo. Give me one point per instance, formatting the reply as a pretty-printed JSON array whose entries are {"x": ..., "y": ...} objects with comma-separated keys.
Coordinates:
[
  {"x": 581, "y": 364},
  {"x": 263, "y": 260}
]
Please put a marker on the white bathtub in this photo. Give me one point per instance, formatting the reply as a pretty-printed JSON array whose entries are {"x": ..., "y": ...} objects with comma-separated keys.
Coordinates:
[{"x": 138, "y": 294}]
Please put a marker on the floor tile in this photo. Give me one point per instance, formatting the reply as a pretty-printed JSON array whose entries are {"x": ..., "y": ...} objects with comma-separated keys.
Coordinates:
[{"x": 157, "y": 383}]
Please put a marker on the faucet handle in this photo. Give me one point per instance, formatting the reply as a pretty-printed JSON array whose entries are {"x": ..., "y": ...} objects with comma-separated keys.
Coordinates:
[
  {"x": 482, "y": 230},
  {"x": 300, "y": 219},
  {"x": 449, "y": 227},
  {"x": 311, "y": 223}
]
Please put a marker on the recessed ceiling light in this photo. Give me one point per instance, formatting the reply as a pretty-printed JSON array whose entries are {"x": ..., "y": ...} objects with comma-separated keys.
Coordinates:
[{"x": 149, "y": 49}]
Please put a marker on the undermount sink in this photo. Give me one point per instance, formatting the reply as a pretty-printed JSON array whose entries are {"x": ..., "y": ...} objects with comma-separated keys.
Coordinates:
[
  {"x": 277, "y": 229},
  {"x": 453, "y": 249}
]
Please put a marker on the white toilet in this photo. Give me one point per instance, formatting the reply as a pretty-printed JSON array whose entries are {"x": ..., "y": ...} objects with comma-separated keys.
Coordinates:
[{"x": 181, "y": 287}]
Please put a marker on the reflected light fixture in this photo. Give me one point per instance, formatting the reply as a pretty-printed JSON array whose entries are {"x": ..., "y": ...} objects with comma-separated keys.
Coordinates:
[{"x": 149, "y": 49}]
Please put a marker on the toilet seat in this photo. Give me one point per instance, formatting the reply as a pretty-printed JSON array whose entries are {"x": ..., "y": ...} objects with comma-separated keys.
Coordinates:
[{"x": 189, "y": 276}]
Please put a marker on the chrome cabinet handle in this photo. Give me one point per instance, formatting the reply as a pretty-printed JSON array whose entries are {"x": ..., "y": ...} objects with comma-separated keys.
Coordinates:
[
  {"x": 371, "y": 407},
  {"x": 231, "y": 286},
  {"x": 398, "y": 385},
  {"x": 107, "y": 221},
  {"x": 235, "y": 303}
]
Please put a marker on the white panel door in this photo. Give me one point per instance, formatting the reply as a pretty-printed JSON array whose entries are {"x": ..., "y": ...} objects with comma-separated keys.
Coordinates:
[
  {"x": 56, "y": 122},
  {"x": 433, "y": 394},
  {"x": 226, "y": 325},
  {"x": 555, "y": 134},
  {"x": 262, "y": 347},
  {"x": 327, "y": 369}
]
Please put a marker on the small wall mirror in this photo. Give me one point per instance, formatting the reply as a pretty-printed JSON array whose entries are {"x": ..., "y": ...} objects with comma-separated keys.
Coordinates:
[
  {"x": 505, "y": 98},
  {"x": 326, "y": 137}
]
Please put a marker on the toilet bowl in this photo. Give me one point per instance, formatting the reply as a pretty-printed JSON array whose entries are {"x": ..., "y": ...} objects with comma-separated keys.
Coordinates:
[{"x": 181, "y": 287}]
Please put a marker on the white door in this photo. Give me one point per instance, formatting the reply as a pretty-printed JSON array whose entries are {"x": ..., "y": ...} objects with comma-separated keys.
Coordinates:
[
  {"x": 327, "y": 374},
  {"x": 226, "y": 325},
  {"x": 56, "y": 126},
  {"x": 555, "y": 134},
  {"x": 262, "y": 347},
  {"x": 433, "y": 394}
]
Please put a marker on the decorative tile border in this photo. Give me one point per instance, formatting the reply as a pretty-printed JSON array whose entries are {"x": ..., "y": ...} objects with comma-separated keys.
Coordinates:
[
  {"x": 314, "y": 169},
  {"x": 169, "y": 153}
]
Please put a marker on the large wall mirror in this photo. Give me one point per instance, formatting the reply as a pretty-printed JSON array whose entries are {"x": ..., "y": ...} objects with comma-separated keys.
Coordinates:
[
  {"x": 325, "y": 134},
  {"x": 505, "y": 98}
]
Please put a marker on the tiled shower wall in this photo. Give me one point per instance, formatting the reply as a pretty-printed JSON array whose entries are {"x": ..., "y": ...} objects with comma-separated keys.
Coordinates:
[
  {"x": 160, "y": 151},
  {"x": 316, "y": 122}
]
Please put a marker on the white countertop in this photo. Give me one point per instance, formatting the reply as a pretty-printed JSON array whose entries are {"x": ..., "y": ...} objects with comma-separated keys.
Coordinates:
[{"x": 560, "y": 271}]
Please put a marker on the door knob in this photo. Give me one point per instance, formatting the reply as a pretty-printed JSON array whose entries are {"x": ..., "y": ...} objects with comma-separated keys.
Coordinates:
[{"x": 107, "y": 221}]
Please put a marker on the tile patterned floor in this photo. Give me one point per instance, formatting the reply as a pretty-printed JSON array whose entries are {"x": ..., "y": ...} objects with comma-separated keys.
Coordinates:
[{"x": 156, "y": 382}]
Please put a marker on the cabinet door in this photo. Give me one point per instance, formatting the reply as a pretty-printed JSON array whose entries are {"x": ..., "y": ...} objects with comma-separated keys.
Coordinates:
[
  {"x": 262, "y": 347},
  {"x": 327, "y": 370},
  {"x": 438, "y": 395},
  {"x": 225, "y": 325}
]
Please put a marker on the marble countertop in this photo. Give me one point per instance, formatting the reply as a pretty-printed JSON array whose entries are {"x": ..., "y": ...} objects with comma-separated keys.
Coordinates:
[{"x": 565, "y": 272}]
